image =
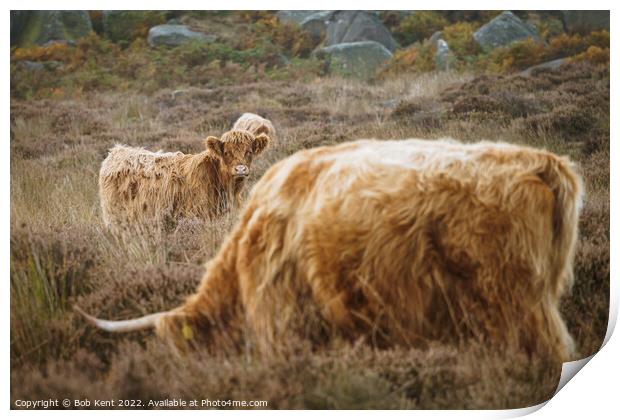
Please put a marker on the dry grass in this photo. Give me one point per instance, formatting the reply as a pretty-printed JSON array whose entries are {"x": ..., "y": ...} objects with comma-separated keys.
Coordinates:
[{"x": 60, "y": 254}]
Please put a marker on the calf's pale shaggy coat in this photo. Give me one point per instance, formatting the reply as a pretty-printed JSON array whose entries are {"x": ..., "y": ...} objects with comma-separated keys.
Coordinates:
[{"x": 137, "y": 186}]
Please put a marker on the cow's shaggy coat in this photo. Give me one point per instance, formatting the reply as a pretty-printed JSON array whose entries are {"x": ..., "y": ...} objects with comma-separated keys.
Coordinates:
[
  {"x": 136, "y": 185},
  {"x": 400, "y": 242}
]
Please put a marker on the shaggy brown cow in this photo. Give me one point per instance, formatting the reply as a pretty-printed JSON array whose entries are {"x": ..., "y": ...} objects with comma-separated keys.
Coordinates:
[
  {"x": 401, "y": 242},
  {"x": 255, "y": 124},
  {"x": 136, "y": 185}
]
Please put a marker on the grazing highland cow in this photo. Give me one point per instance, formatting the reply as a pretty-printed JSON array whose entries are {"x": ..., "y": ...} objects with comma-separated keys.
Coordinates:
[
  {"x": 255, "y": 124},
  {"x": 136, "y": 185},
  {"x": 401, "y": 242}
]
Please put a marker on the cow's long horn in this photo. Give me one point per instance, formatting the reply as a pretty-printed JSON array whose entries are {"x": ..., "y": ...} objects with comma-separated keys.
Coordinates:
[{"x": 128, "y": 325}]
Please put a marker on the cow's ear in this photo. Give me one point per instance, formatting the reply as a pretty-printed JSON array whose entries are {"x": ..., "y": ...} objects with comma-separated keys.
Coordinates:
[
  {"x": 260, "y": 143},
  {"x": 262, "y": 129},
  {"x": 214, "y": 144}
]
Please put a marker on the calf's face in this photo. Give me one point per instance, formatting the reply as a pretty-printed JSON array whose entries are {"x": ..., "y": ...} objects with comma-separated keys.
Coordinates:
[{"x": 236, "y": 150}]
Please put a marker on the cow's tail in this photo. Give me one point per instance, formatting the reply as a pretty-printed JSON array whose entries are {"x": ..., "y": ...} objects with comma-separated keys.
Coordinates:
[{"x": 561, "y": 176}]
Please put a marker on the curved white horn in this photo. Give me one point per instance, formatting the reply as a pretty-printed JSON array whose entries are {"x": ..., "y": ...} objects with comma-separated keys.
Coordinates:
[{"x": 128, "y": 325}]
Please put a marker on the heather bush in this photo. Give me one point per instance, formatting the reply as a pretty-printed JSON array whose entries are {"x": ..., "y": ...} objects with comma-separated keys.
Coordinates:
[
  {"x": 459, "y": 37},
  {"x": 129, "y": 25},
  {"x": 96, "y": 64},
  {"x": 350, "y": 377},
  {"x": 418, "y": 26},
  {"x": 47, "y": 273},
  {"x": 550, "y": 27},
  {"x": 518, "y": 56},
  {"x": 599, "y": 39},
  {"x": 418, "y": 58},
  {"x": 522, "y": 54},
  {"x": 291, "y": 40},
  {"x": 595, "y": 55}
]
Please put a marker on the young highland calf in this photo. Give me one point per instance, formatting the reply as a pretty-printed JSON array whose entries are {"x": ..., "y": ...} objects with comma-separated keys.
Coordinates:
[
  {"x": 401, "y": 242},
  {"x": 255, "y": 124},
  {"x": 136, "y": 185}
]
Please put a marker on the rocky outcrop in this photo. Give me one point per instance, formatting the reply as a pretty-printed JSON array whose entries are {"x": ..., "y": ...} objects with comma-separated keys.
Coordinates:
[
  {"x": 313, "y": 21},
  {"x": 503, "y": 30},
  {"x": 174, "y": 35},
  {"x": 435, "y": 37},
  {"x": 340, "y": 27},
  {"x": 354, "y": 26},
  {"x": 317, "y": 23},
  {"x": 294, "y": 16},
  {"x": 356, "y": 59},
  {"x": 585, "y": 21},
  {"x": 553, "y": 64},
  {"x": 444, "y": 58},
  {"x": 38, "y": 27}
]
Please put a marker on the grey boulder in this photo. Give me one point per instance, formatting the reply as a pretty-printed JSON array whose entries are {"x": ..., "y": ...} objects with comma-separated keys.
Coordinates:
[
  {"x": 553, "y": 64},
  {"x": 313, "y": 21},
  {"x": 435, "y": 37},
  {"x": 294, "y": 16},
  {"x": 585, "y": 21},
  {"x": 503, "y": 30},
  {"x": 444, "y": 58},
  {"x": 348, "y": 26},
  {"x": 355, "y": 59},
  {"x": 174, "y": 35},
  {"x": 317, "y": 23}
]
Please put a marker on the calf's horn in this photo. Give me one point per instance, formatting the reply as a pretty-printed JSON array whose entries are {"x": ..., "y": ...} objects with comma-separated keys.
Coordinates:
[{"x": 128, "y": 325}]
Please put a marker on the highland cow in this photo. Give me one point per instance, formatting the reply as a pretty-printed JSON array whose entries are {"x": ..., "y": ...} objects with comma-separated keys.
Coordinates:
[
  {"x": 255, "y": 124},
  {"x": 136, "y": 185},
  {"x": 398, "y": 242}
]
